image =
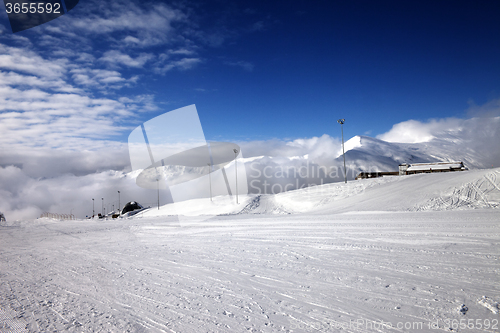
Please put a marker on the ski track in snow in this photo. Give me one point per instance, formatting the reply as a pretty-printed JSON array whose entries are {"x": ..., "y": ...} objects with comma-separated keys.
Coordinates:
[
  {"x": 265, "y": 274},
  {"x": 309, "y": 272}
]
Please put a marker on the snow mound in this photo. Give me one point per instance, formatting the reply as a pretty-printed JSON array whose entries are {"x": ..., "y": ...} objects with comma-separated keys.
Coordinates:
[
  {"x": 490, "y": 304},
  {"x": 483, "y": 192},
  {"x": 264, "y": 205}
]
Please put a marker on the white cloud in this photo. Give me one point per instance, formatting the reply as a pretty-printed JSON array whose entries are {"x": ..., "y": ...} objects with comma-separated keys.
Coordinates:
[
  {"x": 182, "y": 51},
  {"x": 414, "y": 131},
  {"x": 487, "y": 110},
  {"x": 40, "y": 107},
  {"x": 182, "y": 64},
  {"x": 474, "y": 140},
  {"x": 315, "y": 147},
  {"x": 15, "y": 79},
  {"x": 26, "y": 197},
  {"x": 143, "y": 26},
  {"x": 100, "y": 78},
  {"x": 85, "y": 57},
  {"x": 258, "y": 26},
  {"x": 26, "y": 61},
  {"x": 115, "y": 57},
  {"x": 243, "y": 64},
  {"x": 140, "y": 103}
]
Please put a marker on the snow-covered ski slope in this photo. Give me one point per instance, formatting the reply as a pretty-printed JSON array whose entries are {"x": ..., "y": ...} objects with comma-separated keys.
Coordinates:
[
  {"x": 397, "y": 254},
  {"x": 439, "y": 191}
]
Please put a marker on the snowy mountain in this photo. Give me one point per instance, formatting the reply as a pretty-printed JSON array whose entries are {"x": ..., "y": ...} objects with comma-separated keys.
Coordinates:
[{"x": 473, "y": 141}]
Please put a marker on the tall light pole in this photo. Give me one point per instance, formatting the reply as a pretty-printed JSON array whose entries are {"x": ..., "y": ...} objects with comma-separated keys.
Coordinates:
[
  {"x": 158, "y": 190},
  {"x": 236, "y": 171},
  {"x": 93, "y": 210},
  {"x": 210, "y": 179},
  {"x": 119, "y": 202},
  {"x": 341, "y": 122},
  {"x": 102, "y": 208}
]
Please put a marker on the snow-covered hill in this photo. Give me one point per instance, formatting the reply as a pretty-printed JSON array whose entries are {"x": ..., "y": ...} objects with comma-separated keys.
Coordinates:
[
  {"x": 307, "y": 165},
  {"x": 441, "y": 191}
]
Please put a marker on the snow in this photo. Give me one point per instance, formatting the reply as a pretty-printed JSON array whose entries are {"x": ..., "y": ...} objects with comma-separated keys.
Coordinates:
[
  {"x": 489, "y": 304},
  {"x": 352, "y": 143},
  {"x": 367, "y": 256},
  {"x": 440, "y": 191}
]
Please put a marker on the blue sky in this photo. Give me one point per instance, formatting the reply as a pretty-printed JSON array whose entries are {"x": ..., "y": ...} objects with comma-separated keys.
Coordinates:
[
  {"x": 259, "y": 70},
  {"x": 256, "y": 70},
  {"x": 373, "y": 63},
  {"x": 270, "y": 76}
]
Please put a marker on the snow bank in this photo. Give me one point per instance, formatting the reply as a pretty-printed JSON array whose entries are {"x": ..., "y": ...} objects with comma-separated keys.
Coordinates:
[{"x": 439, "y": 191}]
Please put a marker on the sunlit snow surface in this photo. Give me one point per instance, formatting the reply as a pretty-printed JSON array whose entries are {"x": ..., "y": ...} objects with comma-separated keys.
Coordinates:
[{"x": 395, "y": 250}]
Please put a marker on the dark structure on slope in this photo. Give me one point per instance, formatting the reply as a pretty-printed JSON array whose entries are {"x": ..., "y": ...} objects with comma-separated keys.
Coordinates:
[
  {"x": 131, "y": 206},
  {"x": 365, "y": 175}
]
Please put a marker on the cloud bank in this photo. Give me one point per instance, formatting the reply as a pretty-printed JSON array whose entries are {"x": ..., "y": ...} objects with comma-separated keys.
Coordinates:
[
  {"x": 414, "y": 131},
  {"x": 26, "y": 197}
]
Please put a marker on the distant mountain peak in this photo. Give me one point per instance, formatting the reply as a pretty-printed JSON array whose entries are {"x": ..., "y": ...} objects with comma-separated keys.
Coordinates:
[{"x": 352, "y": 143}]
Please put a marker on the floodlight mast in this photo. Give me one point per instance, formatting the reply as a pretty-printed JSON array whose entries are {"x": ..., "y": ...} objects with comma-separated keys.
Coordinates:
[
  {"x": 93, "y": 210},
  {"x": 119, "y": 202},
  {"x": 236, "y": 171},
  {"x": 341, "y": 122},
  {"x": 158, "y": 190}
]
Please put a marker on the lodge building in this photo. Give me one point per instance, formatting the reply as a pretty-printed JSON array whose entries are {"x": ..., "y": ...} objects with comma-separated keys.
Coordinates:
[{"x": 414, "y": 168}]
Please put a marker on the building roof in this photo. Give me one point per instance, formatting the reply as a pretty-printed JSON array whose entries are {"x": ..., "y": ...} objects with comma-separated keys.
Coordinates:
[{"x": 435, "y": 166}]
